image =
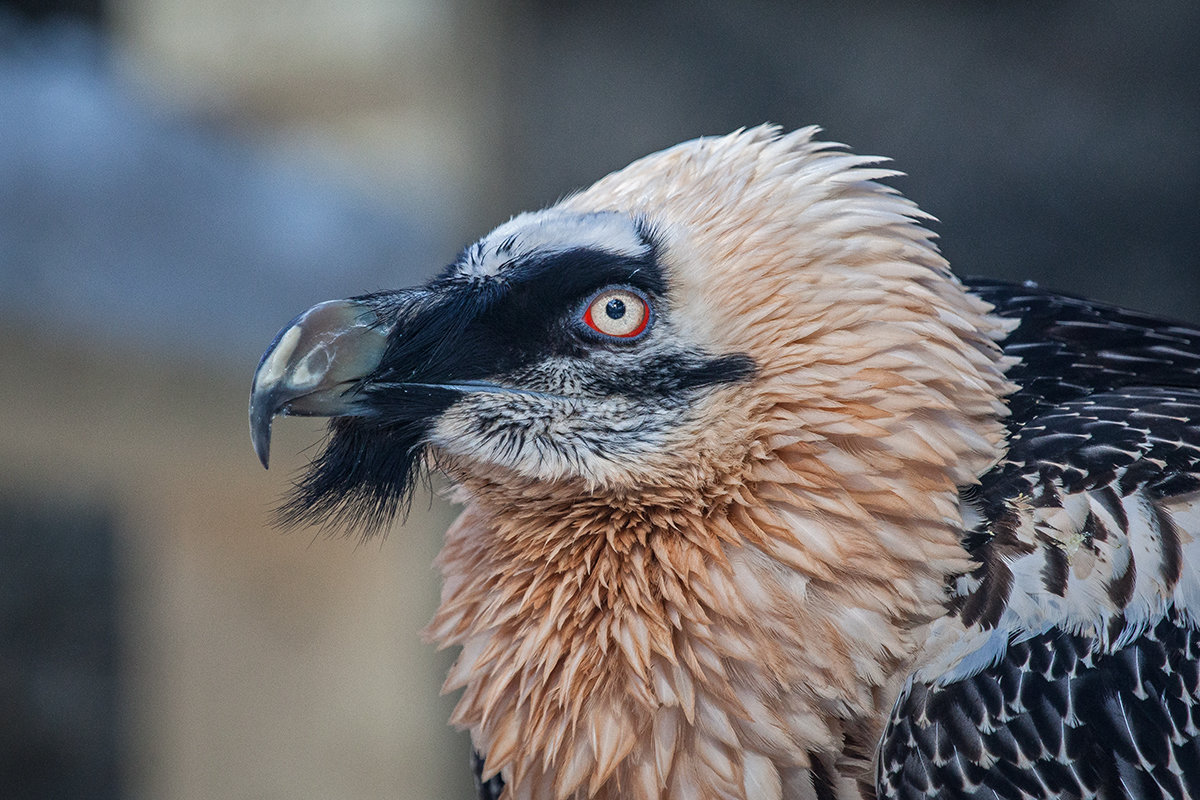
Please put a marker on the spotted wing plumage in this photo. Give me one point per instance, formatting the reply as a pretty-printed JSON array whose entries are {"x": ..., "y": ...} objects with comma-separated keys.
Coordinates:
[
  {"x": 1055, "y": 718},
  {"x": 1077, "y": 671},
  {"x": 485, "y": 789}
]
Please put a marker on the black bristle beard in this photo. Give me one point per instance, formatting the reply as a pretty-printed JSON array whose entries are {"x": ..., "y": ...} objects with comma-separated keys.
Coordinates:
[{"x": 361, "y": 481}]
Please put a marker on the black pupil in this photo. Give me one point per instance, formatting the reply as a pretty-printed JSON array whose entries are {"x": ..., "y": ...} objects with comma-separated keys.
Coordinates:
[{"x": 615, "y": 309}]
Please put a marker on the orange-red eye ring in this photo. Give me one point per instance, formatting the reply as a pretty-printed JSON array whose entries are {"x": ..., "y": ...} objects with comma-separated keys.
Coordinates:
[{"x": 607, "y": 313}]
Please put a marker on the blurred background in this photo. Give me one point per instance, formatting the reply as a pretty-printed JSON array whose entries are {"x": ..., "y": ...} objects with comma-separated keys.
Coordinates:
[{"x": 178, "y": 178}]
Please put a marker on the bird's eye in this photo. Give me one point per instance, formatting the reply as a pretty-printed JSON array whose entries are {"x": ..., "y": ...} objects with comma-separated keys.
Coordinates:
[{"x": 621, "y": 313}]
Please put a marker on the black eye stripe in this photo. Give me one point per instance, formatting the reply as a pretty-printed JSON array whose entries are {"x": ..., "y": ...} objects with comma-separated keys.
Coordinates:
[
  {"x": 467, "y": 329},
  {"x": 505, "y": 328}
]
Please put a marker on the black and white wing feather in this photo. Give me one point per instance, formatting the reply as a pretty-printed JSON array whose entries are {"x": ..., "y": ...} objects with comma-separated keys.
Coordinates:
[
  {"x": 1073, "y": 668},
  {"x": 485, "y": 789}
]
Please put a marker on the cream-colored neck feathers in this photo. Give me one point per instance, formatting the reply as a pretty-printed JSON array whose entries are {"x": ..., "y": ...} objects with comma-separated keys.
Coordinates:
[{"x": 718, "y": 631}]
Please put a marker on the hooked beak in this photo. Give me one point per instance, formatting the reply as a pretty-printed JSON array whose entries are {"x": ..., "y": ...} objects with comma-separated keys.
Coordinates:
[{"x": 315, "y": 367}]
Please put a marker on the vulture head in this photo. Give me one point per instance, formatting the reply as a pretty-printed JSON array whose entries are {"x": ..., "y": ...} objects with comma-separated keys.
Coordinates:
[{"x": 708, "y": 419}]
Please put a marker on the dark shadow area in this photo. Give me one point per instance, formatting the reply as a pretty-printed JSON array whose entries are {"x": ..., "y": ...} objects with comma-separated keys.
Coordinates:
[
  {"x": 58, "y": 651},
  {"x": 94, "y": 12}
]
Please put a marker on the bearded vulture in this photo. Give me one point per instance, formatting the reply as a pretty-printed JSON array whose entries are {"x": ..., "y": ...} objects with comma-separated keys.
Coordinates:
[{"x": 761, "y": 501}]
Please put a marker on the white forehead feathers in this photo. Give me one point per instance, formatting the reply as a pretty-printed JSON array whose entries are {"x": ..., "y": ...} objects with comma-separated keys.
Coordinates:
[{"x": 542, "y": 233}]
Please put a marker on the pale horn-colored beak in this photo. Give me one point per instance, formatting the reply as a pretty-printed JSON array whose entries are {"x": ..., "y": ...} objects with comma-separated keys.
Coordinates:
[{"x": 315, "y": 367}]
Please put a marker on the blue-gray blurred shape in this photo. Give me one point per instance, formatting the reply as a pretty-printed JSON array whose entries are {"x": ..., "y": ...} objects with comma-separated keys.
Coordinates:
[{"x": 125, "y": 222}]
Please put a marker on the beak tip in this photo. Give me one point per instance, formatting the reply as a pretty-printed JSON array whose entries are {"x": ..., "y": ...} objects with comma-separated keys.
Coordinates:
[{"x": 260, "y": 432}]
